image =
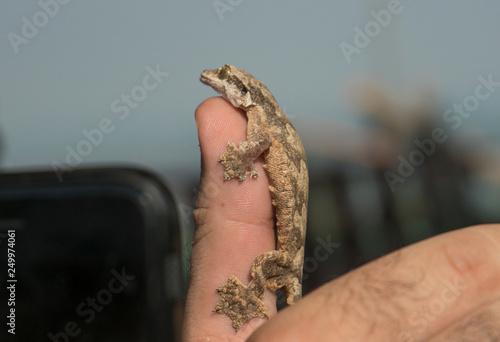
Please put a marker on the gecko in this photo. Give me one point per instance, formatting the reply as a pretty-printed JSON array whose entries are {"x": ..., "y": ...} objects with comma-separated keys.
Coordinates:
[{"x": 270, "y": 133}]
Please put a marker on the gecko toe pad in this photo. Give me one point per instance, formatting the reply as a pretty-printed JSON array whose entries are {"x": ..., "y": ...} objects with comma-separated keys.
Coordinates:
[
  {"x": 239, "y": 303},
  {"x": 238, "y": 163}
]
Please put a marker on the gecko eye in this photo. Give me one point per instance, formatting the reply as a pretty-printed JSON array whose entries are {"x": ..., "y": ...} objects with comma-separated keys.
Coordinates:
[
  {"x": 224, "y": 72},
  {"x": 244, "y": 91}
]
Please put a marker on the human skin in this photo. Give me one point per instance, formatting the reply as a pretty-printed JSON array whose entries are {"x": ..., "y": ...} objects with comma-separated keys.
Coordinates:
[{"x": 446, "y": 288}]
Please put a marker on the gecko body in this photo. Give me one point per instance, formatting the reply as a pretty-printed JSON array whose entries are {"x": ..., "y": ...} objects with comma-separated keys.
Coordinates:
[{"x": 269, "y": 132}]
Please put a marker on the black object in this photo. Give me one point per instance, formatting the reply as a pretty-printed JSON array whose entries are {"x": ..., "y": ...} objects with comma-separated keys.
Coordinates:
[{"x": 94, "y": 257}]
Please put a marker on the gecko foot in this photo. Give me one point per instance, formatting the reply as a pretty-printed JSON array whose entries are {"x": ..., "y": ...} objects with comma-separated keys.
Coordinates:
[
  {"x": 239, "y": 303},
  {"x": 239, "y": 161}
]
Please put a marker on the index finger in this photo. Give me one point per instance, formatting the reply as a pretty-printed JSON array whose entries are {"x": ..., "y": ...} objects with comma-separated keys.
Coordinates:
[{"x": 234, "y": 224}]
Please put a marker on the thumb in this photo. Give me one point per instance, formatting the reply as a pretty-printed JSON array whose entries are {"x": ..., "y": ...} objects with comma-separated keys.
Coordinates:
[{"x": 234, "y": 224}]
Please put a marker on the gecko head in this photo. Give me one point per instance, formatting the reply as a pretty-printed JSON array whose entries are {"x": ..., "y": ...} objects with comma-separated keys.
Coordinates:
[{"x": 234, "y": 84}]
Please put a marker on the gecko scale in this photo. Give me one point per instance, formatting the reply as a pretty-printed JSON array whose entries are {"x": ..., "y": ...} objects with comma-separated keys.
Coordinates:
[{"x": 269, "y": 132}]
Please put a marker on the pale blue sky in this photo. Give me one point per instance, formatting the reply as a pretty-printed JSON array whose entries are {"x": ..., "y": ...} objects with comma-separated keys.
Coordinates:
[{"x": 88, "y": 54}]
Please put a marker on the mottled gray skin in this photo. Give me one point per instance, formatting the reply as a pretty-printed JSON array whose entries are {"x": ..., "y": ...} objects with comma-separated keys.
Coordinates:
[{"x": 269, "y": 132}]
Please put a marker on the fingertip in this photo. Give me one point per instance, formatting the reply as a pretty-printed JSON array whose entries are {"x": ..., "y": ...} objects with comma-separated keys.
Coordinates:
[
  {"x": 217, "y": 116},
  {"x": 210, "y": 104},
  {"x": 218, "y": 122}
]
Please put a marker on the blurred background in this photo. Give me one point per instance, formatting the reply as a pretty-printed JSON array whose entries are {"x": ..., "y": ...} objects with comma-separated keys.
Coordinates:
[{"x": 396, "y": 103}]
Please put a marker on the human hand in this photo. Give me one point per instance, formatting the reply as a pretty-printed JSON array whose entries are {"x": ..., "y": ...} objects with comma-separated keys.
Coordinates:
[{"x": 442, "y": 289}]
